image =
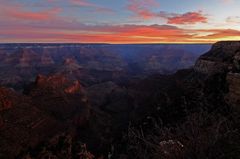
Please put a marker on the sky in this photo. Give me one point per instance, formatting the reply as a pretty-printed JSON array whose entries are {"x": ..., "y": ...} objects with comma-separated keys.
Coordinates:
[{"x": 119, "y": 21}]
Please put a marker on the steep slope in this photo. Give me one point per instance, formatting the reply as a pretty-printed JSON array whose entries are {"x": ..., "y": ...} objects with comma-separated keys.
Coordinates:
[{"x": 223, "y": 59}]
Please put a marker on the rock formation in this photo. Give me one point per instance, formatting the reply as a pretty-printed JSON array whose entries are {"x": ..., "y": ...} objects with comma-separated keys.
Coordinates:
[
  {"x": 91, "y": 64},
  {"x": 223, "y": 59},
  {"x": 233, "y": 96},
  {"x": 53, "y": 105}
]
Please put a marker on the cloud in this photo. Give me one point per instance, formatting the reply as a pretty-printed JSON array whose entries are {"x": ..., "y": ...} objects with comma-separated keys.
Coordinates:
[
  {"x": 77, "y": 32},
  {"x": 85, "y": 3},
  {"x": 187, "y": 18},
  {"x": 19, "y": 12},
  {"x": 61, "y": 31},
  {"x": 220, "y": 33},
  {"x": 142, "y": 8},
  {"x": 30, "y": 15},
  {"x": 233, "y": 19},
  {"x": 128, "y": 34}
]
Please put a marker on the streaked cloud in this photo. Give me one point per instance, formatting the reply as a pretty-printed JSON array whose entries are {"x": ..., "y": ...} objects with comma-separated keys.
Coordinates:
[
  {"x": 83, "y": 3},
  {"x": 86, "y": 3},
  {"x": 63, "y": 31},
  {"x": 188, "y": 18},
  {"x": 220, "y": 33},
  {"x": 142, "y": 8},
  {"x": 10, "y": 11},
  {"x": 18, "y": 13}
]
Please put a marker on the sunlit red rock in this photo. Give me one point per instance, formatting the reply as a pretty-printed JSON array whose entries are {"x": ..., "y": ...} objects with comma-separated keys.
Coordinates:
[
  {"x": 7, "y": 98},
  {"x": 75, "y": 88},
  {"x": 65, "y": 98}
]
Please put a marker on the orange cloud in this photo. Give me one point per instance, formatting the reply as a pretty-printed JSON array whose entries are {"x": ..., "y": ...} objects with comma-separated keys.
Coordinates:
[
  {"x": 220, "y": 33},
  {"x": 60, "y": 30},
  {"x": 142, "y": 8},
  {"x": 188, "y": 18},
  {"x": 103, "y": 34}
]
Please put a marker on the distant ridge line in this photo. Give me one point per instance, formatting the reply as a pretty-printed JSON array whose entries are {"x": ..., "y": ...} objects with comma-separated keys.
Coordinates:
[{"x": 74, "y": 43}]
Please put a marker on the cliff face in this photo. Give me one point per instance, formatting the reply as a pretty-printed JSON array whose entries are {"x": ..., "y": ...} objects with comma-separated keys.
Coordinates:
[
  {"x": 210, "y": 67},
  {"x": 233, "y": 97},
  {"x": 223, "y": 59}
]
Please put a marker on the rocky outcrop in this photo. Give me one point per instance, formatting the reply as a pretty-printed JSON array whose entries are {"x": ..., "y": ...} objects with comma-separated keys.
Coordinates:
[
  {"x": 65, "y": 98},
  {"x": 222, "y": 58},
  {"x": 73, "y": 89},
  {"x": 70, "y": 65},
  {"x": 236, "y": 61}
]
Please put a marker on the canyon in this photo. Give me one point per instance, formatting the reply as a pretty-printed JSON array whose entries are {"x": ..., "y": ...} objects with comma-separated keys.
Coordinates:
[
  {"x": 123, "y": 101},
  {"x": 92, "y": 63}
]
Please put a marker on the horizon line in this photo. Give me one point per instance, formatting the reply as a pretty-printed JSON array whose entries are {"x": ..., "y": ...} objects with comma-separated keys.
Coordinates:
[
  {"x": 102, "y": 43},
  {"x": 105, "y": 43}
]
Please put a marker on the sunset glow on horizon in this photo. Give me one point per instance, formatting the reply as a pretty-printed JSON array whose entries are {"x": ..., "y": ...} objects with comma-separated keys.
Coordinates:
[{"x": 119, "y": 22}]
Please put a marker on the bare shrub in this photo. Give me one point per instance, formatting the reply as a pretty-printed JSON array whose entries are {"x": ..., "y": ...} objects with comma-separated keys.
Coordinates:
[{"x": 202, "y": 136}]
